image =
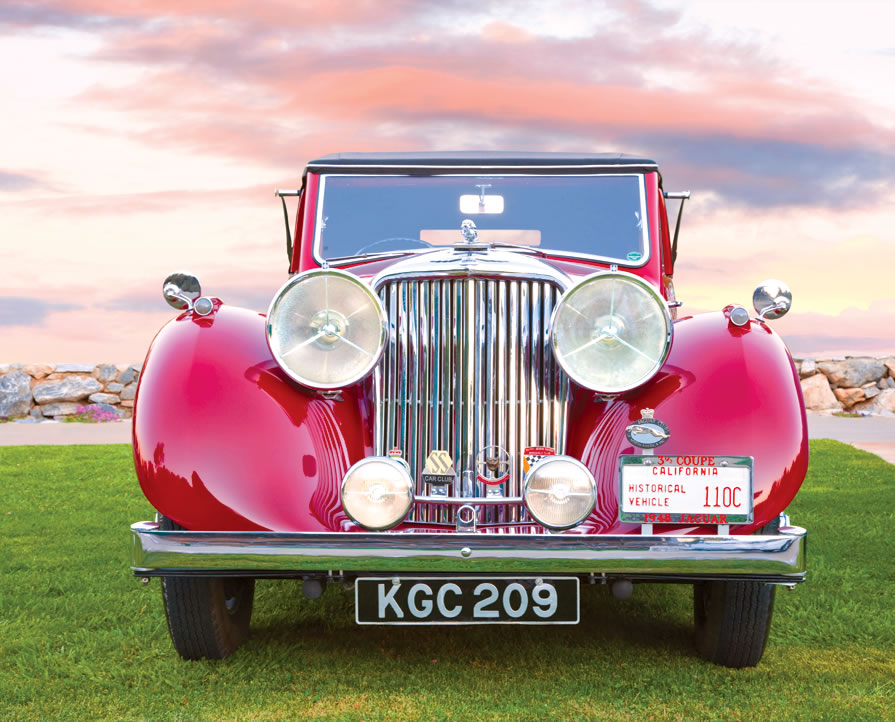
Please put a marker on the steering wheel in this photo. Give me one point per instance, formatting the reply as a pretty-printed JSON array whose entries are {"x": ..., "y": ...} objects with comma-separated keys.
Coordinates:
[{"x": 395, "y": 240}]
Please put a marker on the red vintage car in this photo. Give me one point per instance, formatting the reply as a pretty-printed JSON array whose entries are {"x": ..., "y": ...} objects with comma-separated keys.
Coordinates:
[{"x": 474, "y": 393}]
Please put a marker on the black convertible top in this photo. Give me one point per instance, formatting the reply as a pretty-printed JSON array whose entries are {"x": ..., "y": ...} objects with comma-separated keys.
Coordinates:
[{"x": 428, "y": 162}]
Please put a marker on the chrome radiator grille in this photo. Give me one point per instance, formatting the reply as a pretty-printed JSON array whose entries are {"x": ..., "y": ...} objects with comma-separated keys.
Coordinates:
[{"x": 466, "y": 367}]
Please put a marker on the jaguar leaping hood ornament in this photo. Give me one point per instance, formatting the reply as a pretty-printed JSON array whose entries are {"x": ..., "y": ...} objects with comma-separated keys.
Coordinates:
[{"x": 469, "y": 231}]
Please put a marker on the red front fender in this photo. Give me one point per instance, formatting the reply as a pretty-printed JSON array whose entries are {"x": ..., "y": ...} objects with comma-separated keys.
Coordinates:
[
  {"x": 224, "y": 441},
  {"x": 725, "y": 391}
]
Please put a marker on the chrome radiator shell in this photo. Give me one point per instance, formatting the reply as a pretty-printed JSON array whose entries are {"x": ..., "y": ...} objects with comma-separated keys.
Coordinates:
[{"x": 466, "y": 367}]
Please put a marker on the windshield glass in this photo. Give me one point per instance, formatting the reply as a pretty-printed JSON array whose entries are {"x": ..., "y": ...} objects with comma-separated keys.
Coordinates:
[{"x": 602, "y": 215}]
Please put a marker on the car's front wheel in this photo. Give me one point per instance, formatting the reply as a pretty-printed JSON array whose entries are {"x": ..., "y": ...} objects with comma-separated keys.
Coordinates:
[
  {"x": 207, "y": 617},
  {"x": 733, "y": 620}
]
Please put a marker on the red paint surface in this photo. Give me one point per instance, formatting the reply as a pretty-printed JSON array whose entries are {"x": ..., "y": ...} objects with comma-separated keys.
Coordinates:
[
  {"x": 724, "y": 391},
  {"x": 223, "y": 440},
  {"x": 303, "y": 257}
]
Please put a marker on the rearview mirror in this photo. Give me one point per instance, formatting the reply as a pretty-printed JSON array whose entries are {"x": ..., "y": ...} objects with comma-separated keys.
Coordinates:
[
  {"x": 180, "y": 290},
  {"x": 772, "y": 299},
  {"x": 472, "y": 204}
]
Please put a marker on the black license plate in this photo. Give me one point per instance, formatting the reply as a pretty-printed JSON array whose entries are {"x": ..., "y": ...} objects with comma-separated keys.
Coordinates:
[{"x": 466, "y": 600}]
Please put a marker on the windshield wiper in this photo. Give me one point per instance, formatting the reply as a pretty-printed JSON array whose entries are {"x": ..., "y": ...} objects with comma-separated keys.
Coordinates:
[
  {"x": 388, "y": 254},
  {"x": 529, "y": 249},
  {"x": 380, "y": 254}
]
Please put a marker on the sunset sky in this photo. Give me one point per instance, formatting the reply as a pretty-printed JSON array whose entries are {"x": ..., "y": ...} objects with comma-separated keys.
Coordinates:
[{"x": 143, "y": 137}]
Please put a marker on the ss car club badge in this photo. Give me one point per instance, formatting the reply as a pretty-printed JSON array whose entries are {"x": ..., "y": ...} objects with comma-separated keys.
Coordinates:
[
  {"x": 649, "y": 432},
  {"x": 439, "y": 469},
  {"x": 492, "y": 465}
]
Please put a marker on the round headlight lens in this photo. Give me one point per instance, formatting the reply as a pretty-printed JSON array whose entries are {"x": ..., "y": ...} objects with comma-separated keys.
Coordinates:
[
  {"x": 560, "y": 492},
  {"x": 611, "y": 332},
  {"x": 377, "y": 493},
  {"x": 326, "y": 329}
]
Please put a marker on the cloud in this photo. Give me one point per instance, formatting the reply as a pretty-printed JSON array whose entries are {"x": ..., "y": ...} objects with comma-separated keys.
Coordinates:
[
  {"x": 139, "y": 302},
  {"x": 52, "y": 14},
  {"x": 768, "y": 172},
  {"x": 264, "y": 83},
  {"x": 304, "y": 13},
  {"x": 25, "y": 311},
  {"x": 824, "y": 346},
  {"x": 98, "y": 204},
  {"x": 12, "y": 181},
  {"x": 234, "y": 286},
  {"x": 853, "y": 330}
]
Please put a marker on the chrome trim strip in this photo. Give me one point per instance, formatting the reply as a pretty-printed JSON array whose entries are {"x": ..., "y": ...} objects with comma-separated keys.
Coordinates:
[
  {"x": 510, "y": 169},
  {"x": 491, "y": 264},
  {"x": 472, "y": 500},
  {"x": 781, "y": 556}
]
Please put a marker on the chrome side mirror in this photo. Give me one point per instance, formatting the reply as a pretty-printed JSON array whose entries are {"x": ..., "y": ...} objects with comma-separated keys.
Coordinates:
[
  {"x": 180, "y": 290},
  {"x": 772, "y": 299}
]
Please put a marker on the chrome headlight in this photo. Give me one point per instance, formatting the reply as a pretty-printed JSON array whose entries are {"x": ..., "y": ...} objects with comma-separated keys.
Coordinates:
[
  {"x": 326, "y": 329},
  {"x": 560, "y": 492},
  {"x": 611, "y": 332},
  {"x": 377, "y": 493}
]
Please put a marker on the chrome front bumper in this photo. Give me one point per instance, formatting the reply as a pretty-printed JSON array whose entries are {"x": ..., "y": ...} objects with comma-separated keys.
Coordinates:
[{"x": 778, "y": 559}]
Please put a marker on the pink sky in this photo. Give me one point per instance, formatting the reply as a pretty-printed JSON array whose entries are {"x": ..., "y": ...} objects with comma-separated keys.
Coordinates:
[{"x": 146, "y": 137}]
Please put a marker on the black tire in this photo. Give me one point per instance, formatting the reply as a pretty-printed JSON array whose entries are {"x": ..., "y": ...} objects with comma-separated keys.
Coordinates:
[
  {"x": 733, "y": 619},
  {"x": 207, "y": 617}
]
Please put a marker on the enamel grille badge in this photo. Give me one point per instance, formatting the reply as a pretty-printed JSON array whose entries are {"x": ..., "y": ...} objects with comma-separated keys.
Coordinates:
[
  {"x": 439, "y": 469},
  {"x": 492, "y": 465},
  {"x": 531, "y": 455},
  {"x": 649, "y": 432}
]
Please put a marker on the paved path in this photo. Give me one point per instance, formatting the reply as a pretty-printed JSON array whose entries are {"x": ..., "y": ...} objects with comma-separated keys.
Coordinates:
[
  {"x": 875, "y": 434},
  {"x": 871, "y": 433},
  {"x": 47, "y": 432}
]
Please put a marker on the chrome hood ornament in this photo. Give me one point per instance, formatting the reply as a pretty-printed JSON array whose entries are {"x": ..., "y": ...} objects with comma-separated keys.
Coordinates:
[{"x": 469, "y": 231}]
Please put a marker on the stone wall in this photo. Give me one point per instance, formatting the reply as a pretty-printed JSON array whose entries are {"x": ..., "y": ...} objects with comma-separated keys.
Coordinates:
[
  {"x": 852, "y": 383},
  {"x": 53, "y": 391},
  {"x": 37, "y": 392}
]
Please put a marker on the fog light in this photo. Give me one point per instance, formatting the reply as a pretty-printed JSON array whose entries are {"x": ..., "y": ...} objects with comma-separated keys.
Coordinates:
[
  {"x": 560, "y": 492},
  {"x": 377, "y": 493}
]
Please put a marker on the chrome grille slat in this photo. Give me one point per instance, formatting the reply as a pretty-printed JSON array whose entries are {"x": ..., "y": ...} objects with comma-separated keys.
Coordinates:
[
  {"x": 548, "y": 390},
  {"x": 489, "y": 321},
  {"x": 466, "y": 366},
  {"x": 512, "y": 386},
  {"x": 536, "y": 356},
  {"x": 467, "y": 410}
]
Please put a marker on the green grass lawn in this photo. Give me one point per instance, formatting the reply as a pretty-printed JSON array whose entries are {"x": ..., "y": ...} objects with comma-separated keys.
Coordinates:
[{"x": 80, "y": 638}]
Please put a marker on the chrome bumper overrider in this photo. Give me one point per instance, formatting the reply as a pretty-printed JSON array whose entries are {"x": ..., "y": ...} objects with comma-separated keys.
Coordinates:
[{"x": 779, "y": 558}]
